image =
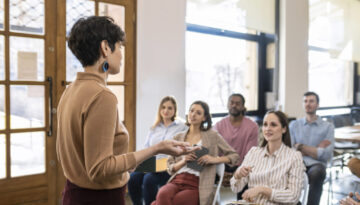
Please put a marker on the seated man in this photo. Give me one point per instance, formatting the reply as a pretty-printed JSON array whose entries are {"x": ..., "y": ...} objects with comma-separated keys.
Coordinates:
[
  {"x": 314, "y": 138},
  {"x": 238, "y": 131}
]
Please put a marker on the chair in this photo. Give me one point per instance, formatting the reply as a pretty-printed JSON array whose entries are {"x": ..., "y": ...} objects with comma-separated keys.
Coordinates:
[
  {"x": 305, "y": 190},
  {"x": 220, "y": 170}
]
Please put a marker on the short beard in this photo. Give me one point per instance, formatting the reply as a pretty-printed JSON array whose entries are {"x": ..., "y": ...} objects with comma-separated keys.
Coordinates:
[{"x": 237, "y": 114}]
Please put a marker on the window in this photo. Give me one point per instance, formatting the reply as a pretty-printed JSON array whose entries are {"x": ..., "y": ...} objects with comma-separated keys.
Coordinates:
[
  {"x": 331, "y": 73},
  {"x": 223, "y": 46}
]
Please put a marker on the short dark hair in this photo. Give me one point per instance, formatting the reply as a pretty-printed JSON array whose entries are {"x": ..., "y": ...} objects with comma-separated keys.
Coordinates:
[
  {"x": 207, "y": 124},
  {"x": 86, "y": 35},
  {"x": 309, "y": 93},
  {"x": 237, "y": 95},
  {"x": 284, "y": 123}
]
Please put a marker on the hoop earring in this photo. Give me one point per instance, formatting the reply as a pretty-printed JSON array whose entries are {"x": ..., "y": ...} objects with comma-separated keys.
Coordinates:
[{"x": 105, "y": 66}]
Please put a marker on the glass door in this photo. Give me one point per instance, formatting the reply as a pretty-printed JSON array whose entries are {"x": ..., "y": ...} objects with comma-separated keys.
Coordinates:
[{"x": 27, "y": 65}]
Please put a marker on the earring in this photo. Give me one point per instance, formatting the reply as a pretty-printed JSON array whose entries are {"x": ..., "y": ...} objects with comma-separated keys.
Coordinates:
[{"x": 105, "y": 66}]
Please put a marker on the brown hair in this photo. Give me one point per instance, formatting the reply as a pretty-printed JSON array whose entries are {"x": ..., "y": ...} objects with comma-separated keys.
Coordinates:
[
  {"x": 159, "y": 118},
  {"x": 207, "y": 123},
  {"x": 284, "y": 123}
]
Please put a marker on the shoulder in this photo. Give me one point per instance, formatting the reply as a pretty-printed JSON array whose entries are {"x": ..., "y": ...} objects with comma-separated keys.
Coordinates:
[
  {"x": 250, "y": 122},
  {"x": 292, "y": 154},
  {"x": 180, "y": 136},
  {"x": 223, "y": 121},
  {"x": 295, "y": 123},
  {"x": 255, "y": 150},
  {"x": 326, "y": 124}
]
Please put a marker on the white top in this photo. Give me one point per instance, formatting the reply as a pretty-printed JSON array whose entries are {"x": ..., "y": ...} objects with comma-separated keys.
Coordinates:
[
  {"x": 282, "y": 172},
  {"x": 161, "y": 132}
]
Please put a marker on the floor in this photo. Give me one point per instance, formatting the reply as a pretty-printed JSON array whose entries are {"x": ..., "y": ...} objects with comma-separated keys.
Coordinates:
[{"x": 343, "y": 183}]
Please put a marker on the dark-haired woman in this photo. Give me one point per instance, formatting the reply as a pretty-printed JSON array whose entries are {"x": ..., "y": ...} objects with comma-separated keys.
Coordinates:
[
  {"x": 144, "y": 186},
  {"x": 186, "y": 185},
  {"x": 92, "y": 143},
  {"x": 274, "y": 172}
]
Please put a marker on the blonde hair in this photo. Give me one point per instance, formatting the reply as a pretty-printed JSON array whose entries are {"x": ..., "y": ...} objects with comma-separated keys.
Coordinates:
[{"x": 159, "y": 118}]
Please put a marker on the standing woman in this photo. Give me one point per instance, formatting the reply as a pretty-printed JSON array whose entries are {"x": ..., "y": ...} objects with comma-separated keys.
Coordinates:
[
  {"x": 145, "y": 185},
  {"x": 92, "y": 144},
  {"x": 274, "y": 172},
  {"x": 188, "y": 186}
]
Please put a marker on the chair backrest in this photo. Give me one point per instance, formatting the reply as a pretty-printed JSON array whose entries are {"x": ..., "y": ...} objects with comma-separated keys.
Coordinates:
[
  {"x": 220, "y": 170},
  {"x": 305, "y": 190}
]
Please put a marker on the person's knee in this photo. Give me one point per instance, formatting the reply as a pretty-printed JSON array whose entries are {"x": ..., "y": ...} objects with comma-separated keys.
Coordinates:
[
  {"x": 354, "y": 166},
  {"x": 317, "y": 173},
  {"x": 150, "y": 180}
]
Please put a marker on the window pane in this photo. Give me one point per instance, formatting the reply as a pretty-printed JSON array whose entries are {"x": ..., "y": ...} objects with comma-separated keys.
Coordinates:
[
  {"x": 222, "y": 14},
  {"x": 2, "y": 107},
  {"x": 2, "y": 58},
  {"x": 332, "y": 79},
  {"x": 27, "y": 106},
  {"x": 27, "y": 16},
  {"x": 2, "y": 157},
  {"x": 75, "y": 9},
  {"x": 27, "y": 153},
  {"x": 26, "y": 59},
  {"x": 73, "y": 65},
  {"x": 1, "y": 14},
  {"x": 219, "y": 66},
  {"x": 117, "y": 12},
  {"x": 119, "y": 91}
]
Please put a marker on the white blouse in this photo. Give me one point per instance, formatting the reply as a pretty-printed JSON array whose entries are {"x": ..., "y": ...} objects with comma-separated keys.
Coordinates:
[{"x": 282, "y": 172}]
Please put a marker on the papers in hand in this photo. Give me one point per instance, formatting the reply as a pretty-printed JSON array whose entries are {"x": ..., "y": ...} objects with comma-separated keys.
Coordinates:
[{"x": 194, "y": 164}]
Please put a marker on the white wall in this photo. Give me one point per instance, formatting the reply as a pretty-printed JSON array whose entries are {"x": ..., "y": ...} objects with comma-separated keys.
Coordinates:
[
  {"x": 293, "y": 81},
  {"x": 160, "y": 59}
]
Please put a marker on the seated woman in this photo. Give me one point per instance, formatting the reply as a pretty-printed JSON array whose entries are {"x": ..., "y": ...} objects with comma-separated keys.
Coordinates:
[
  {"x": 145, "y": 185},
  {"x": 186, "y": 185},
  {"x": 274, "y": 172}
]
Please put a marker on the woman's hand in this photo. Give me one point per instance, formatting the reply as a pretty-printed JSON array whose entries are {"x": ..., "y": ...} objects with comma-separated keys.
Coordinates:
[
  {"x": 242, "y": 172},
  {"x": 349, "y": 200},
  {"x": 251, "y": 194},
  {"x": 207, "y": 159},
  {"x": 189, "y": 157},
  {"x": 175, "y": 148}
]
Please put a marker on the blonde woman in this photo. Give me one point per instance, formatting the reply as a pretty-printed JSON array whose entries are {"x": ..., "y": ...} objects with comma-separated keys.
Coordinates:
[{"x": 144, "y": 186}]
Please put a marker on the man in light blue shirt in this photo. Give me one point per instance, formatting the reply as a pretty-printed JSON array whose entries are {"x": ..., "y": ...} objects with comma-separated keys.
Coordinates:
[{"x": 314, "y": 138}]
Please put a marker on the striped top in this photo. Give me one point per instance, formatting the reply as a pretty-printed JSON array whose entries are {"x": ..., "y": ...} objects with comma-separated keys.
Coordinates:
[{"x": 282, "y": 171}]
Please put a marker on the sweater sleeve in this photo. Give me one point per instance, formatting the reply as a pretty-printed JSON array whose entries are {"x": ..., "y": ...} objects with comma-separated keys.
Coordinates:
[{"x": 100, "y": 119}]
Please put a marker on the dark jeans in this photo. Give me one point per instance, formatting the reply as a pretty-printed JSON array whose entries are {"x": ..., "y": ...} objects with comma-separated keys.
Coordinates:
[
  {"x": 75, "y": 195},
  {"x": 144, "y": 186},
  {"x": 317, "y": 175}
]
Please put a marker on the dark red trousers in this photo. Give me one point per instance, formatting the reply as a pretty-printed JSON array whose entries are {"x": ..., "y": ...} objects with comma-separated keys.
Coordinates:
[
  {"x": 183, "y": 189},
  {"x": 74, "y": 195}
]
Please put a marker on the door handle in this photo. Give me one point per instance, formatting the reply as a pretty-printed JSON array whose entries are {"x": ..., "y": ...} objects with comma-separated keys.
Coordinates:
[{"x": 50, "y": 130}]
